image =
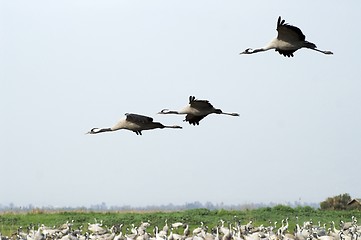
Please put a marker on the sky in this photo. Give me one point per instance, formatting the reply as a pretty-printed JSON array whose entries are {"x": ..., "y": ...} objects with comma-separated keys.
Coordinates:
[{"x": 68, "y": 66}]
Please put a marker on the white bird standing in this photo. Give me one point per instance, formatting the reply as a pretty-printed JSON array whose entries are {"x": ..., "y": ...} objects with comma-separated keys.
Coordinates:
[
  {"x": 289, "y": 40},
  {"x": 177, "y": 225},
  {"x": 197, "y": 110},
  {"x": 133, "y": 122}
]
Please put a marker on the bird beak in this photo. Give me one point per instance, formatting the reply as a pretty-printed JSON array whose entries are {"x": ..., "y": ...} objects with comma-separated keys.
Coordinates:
[
  {"x": 246, "y": 51},
  {"x": 164, "y": 110}
]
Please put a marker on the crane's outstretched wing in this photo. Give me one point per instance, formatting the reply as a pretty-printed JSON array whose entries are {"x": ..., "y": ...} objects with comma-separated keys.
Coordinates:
[
  {"x": 286, "y": 53},
  {"x": 136, "y": 118},
  {"x": 288, "y": 32},
  {"x": 202, "y": 105},
  {"x": 192, "y": 119}
]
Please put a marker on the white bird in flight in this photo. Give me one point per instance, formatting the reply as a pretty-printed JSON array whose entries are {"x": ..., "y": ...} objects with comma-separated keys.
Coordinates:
[
  {"x": 197, "y": 110},
  {"x": 133, "y": 122},
  {"x": 289, "y": 40}
]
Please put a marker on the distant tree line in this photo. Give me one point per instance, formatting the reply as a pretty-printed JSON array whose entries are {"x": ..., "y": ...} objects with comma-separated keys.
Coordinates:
[
  {"x": 339, "y": 202},
  {"x": 168, "y": 207}
]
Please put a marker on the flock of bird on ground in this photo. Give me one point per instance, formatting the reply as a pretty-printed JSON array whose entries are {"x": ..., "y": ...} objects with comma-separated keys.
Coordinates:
[
  {"x": 181, "y": 231},
  {"x": 288, "y": 40}
]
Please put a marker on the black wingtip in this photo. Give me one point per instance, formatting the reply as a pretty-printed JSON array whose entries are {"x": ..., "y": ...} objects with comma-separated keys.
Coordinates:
[
  {"x": 191, "y": 98},
  {"x": 280, "y": 21}
]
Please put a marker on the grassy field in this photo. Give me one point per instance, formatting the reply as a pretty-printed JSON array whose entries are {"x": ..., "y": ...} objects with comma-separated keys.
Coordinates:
[{"x": 9, "y": 222}]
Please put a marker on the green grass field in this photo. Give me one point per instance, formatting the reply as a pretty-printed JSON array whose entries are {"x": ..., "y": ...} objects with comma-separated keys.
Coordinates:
[{"x": 9, "y": 222}]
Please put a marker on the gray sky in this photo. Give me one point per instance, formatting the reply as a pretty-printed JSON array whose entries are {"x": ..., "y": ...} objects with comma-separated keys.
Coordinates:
[{"x": 69, "y": 66}]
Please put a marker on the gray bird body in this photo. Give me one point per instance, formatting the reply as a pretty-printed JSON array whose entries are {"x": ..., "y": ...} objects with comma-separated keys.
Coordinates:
[
  {"x": 197, "y": 110},
  {"x": 133, "y": 122},
  {"x": 289, "y": 40}
]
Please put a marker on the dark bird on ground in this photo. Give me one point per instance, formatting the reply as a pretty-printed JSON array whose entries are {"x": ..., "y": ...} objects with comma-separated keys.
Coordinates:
[
  {"x": 197, "y": 110},
  {"x": 133, "y": 122},
  {"x": 289, "y": 40}
]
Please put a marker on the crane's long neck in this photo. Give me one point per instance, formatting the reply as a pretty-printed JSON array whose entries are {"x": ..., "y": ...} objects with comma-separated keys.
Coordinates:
[
  {"x": 173, "y": 112},
  {"x": 167, "y": 111},
  {"x": 104, "y": 130},
  {"x": 251, "y": 51},
  {"x": 260, "y": 49},
  {"x": 99, "y": 130}
]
